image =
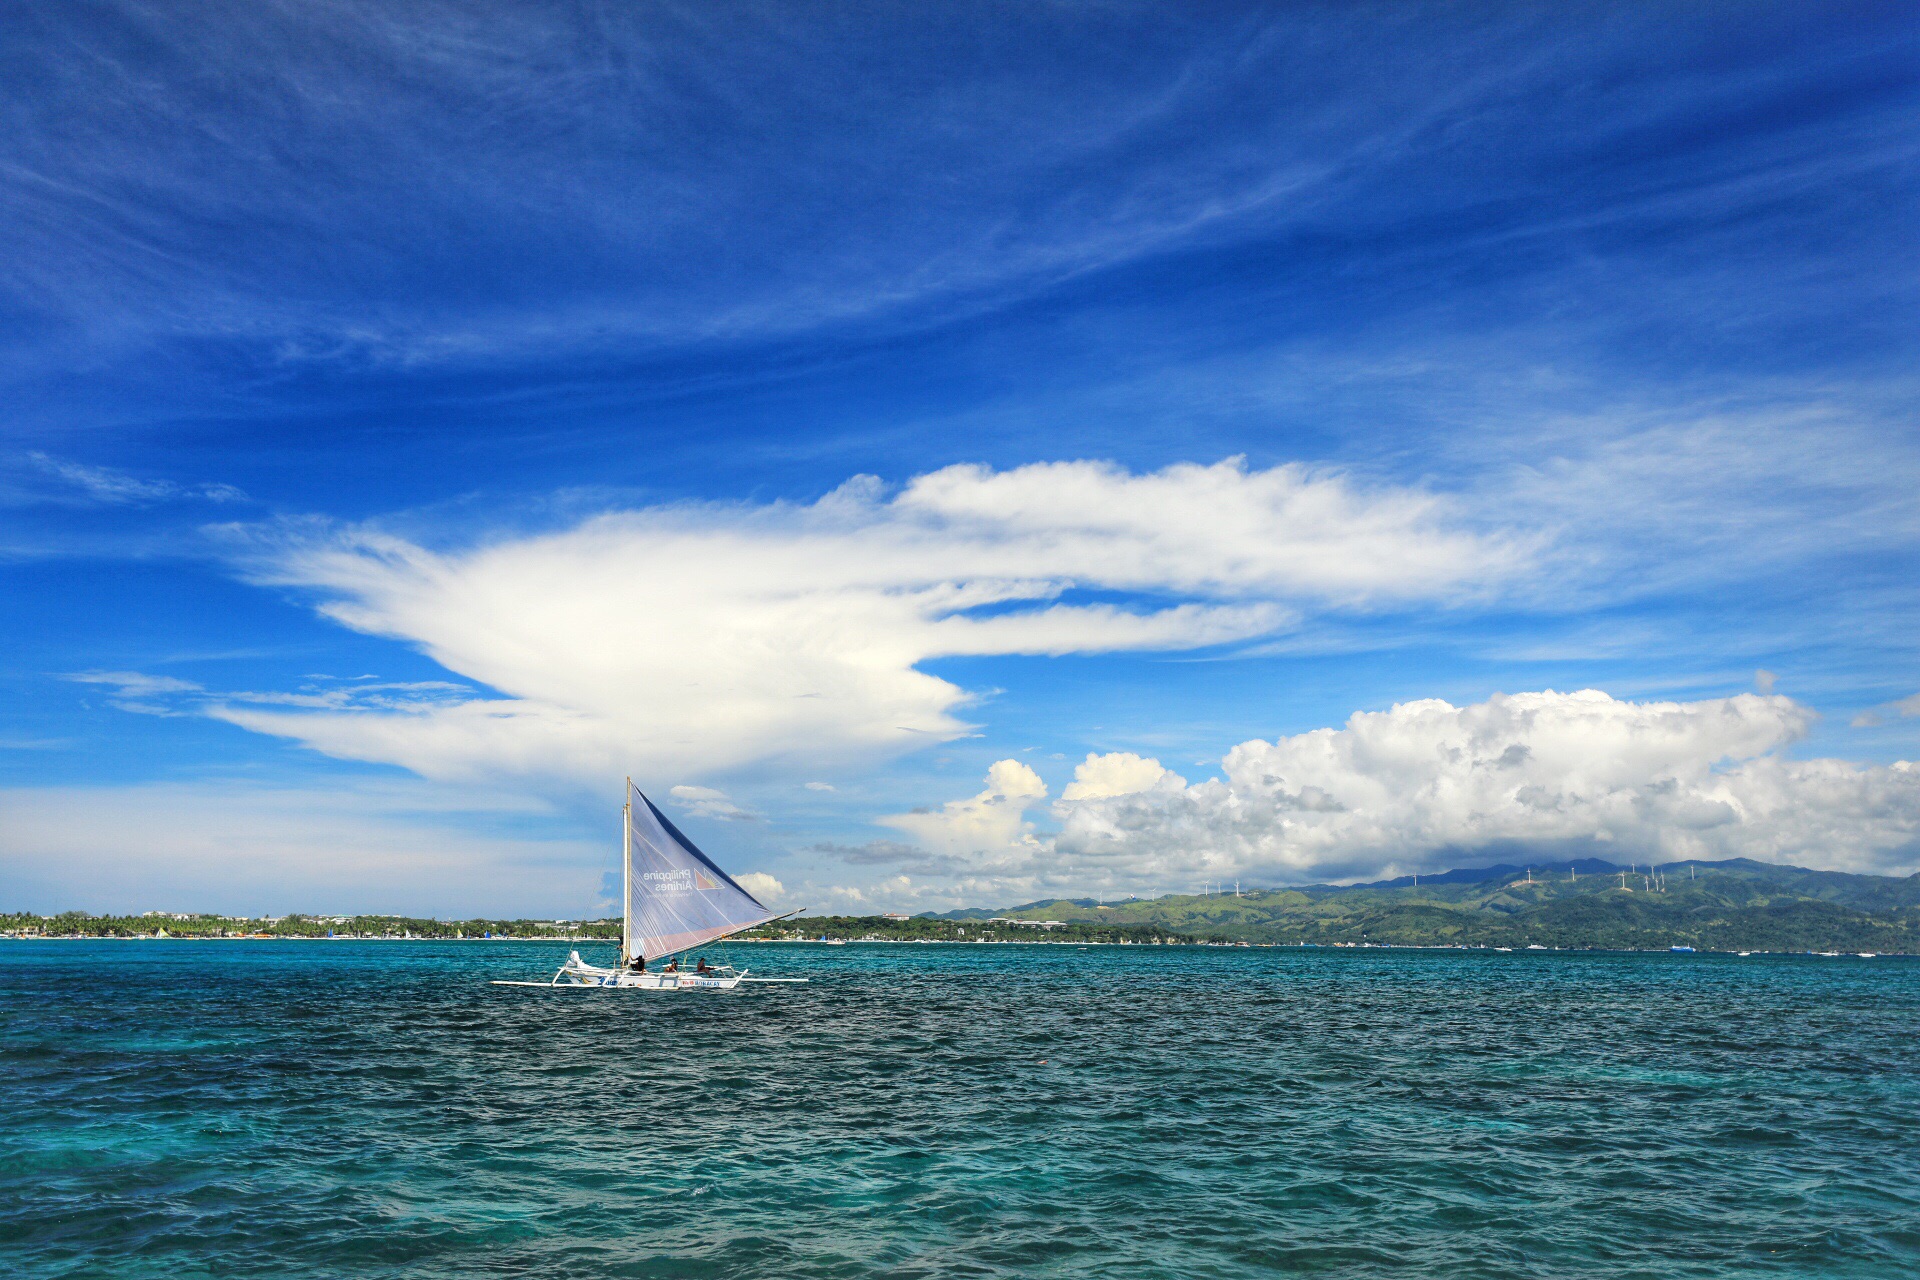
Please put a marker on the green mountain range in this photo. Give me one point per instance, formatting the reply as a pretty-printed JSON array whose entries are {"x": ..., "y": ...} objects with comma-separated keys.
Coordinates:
[{"x": 1736, "y": 905}]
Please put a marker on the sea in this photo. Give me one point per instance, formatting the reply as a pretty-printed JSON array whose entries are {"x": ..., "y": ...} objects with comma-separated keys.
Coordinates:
[{"x": 374, "y": 1109}]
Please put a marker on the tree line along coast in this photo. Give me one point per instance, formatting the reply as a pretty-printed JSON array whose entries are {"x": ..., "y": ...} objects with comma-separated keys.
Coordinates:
[
  {"x": 169, "y": 924},
  {"x": 183, "y": 924},
  {"x": 1586, "y": 904}
]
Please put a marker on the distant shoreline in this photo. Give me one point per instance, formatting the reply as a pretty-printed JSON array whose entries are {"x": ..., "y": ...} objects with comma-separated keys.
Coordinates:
[{"x": 998, "y": 942}]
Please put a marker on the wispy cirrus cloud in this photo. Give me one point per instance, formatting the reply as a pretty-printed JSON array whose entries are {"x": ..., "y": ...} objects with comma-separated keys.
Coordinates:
[
  {"x": 1715, "y": 489},
  {"x": 134, "y": 684},
  {"x": 676, "y": 214},
  {"x": 112, "y": 486},
  {"x": 143, "y": 694},
  {"x": 170, "y": 695},
  {"x": 711, "y": 803},
  {"x": 1873, "y": 717}
]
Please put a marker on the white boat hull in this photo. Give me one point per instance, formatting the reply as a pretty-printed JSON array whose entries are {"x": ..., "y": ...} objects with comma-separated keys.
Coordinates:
[
  {"x": 656, "y": 981},
  {"x": 580, "y": 976},
  {"x": 636, "y": 982}
]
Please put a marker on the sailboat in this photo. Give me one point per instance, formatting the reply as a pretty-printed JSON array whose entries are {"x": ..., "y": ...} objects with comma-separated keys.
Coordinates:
[{"x": 675, "y": 899}]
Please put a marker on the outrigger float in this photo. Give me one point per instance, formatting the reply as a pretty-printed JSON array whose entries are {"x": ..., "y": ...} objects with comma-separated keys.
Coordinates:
[{"x": 676, "y": 899}]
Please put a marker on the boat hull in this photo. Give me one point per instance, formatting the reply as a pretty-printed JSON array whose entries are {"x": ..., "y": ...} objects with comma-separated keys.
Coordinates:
[
  {"x": 577, "y": 973},
  {"x": 661, "y": 981}
]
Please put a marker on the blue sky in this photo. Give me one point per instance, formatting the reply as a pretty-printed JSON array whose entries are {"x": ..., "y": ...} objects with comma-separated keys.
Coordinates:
[{"x": 413, "y": 421}]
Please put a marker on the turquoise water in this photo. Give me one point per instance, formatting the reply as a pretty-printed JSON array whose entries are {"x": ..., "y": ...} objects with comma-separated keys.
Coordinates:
[{"x": 365, "y": 1109}]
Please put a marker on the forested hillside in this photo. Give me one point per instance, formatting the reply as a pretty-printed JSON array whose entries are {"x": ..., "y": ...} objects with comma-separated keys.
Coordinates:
[{"x": 1737, "y": 905}]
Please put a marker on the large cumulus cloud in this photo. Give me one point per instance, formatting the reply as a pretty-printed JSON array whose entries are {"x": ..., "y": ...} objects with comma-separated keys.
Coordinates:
[
  {"x": 694, "y": 639},
  {"x": 1427, "y": 784}
]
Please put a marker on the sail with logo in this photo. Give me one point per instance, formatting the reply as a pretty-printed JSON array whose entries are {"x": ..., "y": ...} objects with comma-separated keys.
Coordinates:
[{"x": 675, "y": 899}]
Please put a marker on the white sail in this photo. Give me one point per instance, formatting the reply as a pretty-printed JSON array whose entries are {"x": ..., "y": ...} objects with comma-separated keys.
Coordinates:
[{"x": 676, "y": 897}]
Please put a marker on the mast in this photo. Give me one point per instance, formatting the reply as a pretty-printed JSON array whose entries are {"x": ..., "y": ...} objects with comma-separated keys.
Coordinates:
[{"x": 626, "y": 874}]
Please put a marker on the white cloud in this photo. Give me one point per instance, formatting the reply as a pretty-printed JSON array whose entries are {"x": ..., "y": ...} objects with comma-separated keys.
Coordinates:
[
  {"x": 145, "y": 694},
  {"x": 710, "y": 802},
  {"x": 821, "y": 786},
  {"x": 704, "y": 638},
  {"x": 1427, "y": 783},
  {"x": 1120, "y": 773},
  {"x": 1873, "y": 717},
  {"x": 762, "y": 886},
  {"x": 989, "y": 829},
  {"x": 134, "y": 684},
  {"x": 1220, "y": 528},
  {"x": 1653, "y": 496},
  {"x": 105, "y": 484}
]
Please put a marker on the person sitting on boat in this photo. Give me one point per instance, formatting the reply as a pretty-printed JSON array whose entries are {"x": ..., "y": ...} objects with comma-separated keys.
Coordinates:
[
  {"x": 673, "y": 966},
  {"x": 638, "y": 964},
  {"x": 702, "y": 967}
]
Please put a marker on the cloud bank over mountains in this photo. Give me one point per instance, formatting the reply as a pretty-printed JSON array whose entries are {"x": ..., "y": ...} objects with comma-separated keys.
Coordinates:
[
  {"x": 692, "y": 640},
  {"x": 1423, "y": 785},
  {"x": 1426, "y": 785}
]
